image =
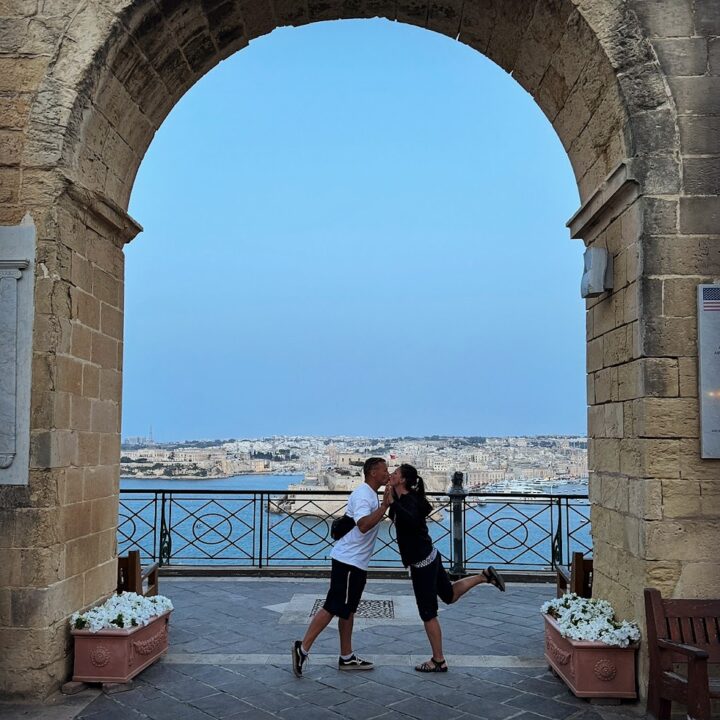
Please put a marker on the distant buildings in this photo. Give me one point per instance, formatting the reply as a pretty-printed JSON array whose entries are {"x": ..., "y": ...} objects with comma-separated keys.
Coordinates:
[{"x": 485, "y": 461}]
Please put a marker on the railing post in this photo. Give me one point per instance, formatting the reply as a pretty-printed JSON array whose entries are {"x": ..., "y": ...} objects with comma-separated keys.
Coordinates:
[
  {"x": 457, "y": 502},
  {"x": 165, "y": 538},
  {"x": 262, "y": 526},
  {"x": 557, "y": 542}
]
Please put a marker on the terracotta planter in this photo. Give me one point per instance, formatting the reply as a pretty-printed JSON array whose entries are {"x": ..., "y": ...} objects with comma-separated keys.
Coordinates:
[
  {"x": 591, "y": 669},
  {"x": 119, "y": 655}
]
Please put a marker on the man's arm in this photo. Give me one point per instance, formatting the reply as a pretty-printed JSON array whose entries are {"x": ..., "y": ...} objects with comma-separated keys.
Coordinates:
[{"x": 368, "y": 522}]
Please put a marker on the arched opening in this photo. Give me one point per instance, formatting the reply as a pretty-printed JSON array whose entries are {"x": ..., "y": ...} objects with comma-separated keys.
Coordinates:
[
  {"x": 404, "y": 197},
  {"x": 364, "y": 282}
]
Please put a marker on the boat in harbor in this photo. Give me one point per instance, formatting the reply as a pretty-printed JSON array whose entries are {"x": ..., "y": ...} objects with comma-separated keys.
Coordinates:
[{"x": 524, "y": 491}]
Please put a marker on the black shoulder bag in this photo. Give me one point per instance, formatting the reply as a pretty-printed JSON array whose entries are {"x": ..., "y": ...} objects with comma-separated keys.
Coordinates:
[{"x": 341, "y": 526}]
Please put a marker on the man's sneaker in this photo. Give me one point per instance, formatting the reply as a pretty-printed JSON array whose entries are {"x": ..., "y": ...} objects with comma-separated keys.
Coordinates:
[
  {"x": 354, "y": 663},
  {"x": 298, "y": 658}
]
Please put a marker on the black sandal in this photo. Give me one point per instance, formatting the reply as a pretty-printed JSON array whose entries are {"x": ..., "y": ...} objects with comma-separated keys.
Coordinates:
[
  {"x": 494, "y": 578},
  {"x": 432, "y": 666}
]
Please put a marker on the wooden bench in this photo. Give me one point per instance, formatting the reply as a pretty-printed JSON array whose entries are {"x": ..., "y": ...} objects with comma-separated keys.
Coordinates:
[
  {"x": 681, "y": 632},
  {"x": 577, "y": 578},
  {"x": 133, "y": 578}
]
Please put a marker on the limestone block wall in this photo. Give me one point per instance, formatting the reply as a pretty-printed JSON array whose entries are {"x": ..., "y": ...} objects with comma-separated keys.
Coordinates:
[
  {"x": 656, "y": 506},
  {"x": 632, "y": 89},
  {"x": 58, "y": 534}
]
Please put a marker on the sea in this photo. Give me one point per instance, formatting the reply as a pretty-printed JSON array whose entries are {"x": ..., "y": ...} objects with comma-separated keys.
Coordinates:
[{"x": 238, "y": 521}]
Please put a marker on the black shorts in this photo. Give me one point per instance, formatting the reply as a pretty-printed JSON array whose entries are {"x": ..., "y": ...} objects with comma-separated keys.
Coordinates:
[
  {"x": 430, "y": 583},
  {"x": 347, "y": 583}
]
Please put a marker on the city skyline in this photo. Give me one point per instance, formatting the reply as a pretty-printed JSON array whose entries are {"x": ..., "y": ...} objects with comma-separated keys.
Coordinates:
[
  {"x": 335, "y": 462},
  {"x": 147, "y": 440}
]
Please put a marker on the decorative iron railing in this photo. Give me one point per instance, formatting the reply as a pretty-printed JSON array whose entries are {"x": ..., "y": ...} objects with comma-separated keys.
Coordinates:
[{"x": 261, "y": 528}]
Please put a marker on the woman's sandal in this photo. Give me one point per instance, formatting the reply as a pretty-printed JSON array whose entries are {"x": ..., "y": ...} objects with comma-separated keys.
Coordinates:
[
  {"x": 494, "y": 578},
  {"x": 432, "y": 665}
]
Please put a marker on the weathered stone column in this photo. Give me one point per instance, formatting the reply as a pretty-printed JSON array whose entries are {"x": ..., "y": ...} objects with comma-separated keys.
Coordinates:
[{"x": 58, "y": 532}]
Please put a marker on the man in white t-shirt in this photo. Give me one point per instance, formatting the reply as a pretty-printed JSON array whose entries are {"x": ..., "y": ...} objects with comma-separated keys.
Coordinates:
[{"x": 350, "y": 560}]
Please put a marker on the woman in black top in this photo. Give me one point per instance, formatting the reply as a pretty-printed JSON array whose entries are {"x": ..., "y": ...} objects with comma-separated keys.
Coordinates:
[{"x": 409, "y": 509}]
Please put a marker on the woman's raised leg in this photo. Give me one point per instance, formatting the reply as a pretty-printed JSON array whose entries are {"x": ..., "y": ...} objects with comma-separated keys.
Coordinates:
[{"x": 460, "y": 587}]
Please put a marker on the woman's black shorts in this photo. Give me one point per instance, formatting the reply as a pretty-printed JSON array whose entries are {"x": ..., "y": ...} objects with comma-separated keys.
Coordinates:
[
  {"x": 430, "y": 583},
  {"x": 347, "y": 583}
]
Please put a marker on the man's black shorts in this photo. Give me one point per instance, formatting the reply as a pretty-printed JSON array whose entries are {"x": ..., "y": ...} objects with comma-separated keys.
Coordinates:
[
  {"x": 429, "y": 583},
  {"x": 347, "y": 583}
]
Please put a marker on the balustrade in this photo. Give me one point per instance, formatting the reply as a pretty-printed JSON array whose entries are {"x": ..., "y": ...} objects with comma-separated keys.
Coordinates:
[{"x": 270, "y": 528}]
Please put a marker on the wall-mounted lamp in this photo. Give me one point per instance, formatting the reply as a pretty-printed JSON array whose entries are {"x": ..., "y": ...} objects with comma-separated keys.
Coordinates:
[{"x": 598, "y": 275}]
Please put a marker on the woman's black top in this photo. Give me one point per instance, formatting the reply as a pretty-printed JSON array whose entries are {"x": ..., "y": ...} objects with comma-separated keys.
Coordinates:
[{"x": 409, "y": 512}]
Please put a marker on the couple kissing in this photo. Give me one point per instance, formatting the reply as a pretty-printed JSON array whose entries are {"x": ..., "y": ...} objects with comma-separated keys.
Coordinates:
[{"x": 405, "y": 502}]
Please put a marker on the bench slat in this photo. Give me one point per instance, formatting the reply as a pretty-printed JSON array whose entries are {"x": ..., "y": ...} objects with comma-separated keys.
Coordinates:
[
  {"x": 686, "y": 631},
  {"x": 691, "y": 608},
  {"x": 700, "y": 631},
  {"x": 674, "y": 629},
  {"x": 711, "y": 623}
]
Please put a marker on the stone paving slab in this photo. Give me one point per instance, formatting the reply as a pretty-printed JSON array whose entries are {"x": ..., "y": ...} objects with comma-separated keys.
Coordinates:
[{"x": 229, "y": 658}]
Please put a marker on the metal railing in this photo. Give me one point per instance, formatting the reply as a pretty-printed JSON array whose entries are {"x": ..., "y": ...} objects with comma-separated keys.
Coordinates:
[{"x": 270, "y": 528}]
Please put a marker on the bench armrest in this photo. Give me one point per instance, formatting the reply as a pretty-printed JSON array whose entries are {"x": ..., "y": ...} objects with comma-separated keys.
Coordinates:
[
  {"x": 688, "y": 650},
  {"x": 150, "y": 569},
  {"x": 562, "y": 580}
]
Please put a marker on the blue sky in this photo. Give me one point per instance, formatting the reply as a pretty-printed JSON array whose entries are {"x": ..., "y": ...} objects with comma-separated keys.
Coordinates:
[{"x": 357, "y": 228}]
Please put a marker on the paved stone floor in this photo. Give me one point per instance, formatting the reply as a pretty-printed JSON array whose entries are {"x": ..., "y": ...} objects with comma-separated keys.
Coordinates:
[{"x": 229, "y": 658}]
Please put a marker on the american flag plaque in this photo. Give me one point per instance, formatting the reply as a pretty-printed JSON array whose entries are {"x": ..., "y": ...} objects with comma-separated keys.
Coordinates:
[{"x": 709, "y": 369}]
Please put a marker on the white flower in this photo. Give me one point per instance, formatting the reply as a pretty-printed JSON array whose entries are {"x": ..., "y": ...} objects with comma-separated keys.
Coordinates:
[
  {"x": 590, "y": 619},
  {"x": 121, "y": 611}
]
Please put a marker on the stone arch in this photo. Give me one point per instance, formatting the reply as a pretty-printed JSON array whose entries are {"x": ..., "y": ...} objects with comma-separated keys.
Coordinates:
[
  {"x": 591, "y": 72},
  {"x": 108, "y": 74}
]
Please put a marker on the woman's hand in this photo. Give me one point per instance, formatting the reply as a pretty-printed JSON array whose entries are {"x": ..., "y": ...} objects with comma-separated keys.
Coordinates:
[{"x": 388, "y": 496}]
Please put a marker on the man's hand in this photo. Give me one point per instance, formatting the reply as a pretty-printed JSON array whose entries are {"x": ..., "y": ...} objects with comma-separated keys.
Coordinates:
[
  {"x": 370, "y": 521},
  {"x": 387, "y": 497}
]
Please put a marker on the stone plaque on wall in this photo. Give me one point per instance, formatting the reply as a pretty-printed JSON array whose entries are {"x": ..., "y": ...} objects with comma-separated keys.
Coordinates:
[
  {"x": 17, "y": 274},
  {"x": 709, "y": 369}
]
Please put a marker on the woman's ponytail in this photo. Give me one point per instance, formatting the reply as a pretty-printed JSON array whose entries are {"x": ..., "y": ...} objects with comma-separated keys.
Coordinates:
[
  {"x": 415, "y": 483},
  {"x": 420, "y": 486},
  {"x": 421, "y": 493}
]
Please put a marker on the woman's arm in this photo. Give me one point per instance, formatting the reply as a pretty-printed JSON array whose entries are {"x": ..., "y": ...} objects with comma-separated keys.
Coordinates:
[{"x": 406, "y": 506}]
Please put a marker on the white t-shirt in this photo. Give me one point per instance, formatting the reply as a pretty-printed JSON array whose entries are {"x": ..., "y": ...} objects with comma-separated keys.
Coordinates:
[{"x": 355, "y": 548}]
